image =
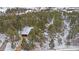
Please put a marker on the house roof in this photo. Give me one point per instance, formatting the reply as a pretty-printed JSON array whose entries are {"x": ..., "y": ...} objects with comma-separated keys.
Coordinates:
[{"x": 26, "y": 30}]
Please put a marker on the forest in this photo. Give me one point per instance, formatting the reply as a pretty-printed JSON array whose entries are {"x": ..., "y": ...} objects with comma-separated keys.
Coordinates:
[{"x": 43, "y": 21}]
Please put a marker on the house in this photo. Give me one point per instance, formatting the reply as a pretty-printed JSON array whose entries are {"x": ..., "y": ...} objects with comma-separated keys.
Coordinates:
[
  {"x": 25, "y": 31},
  {"x": 23, "y": 35}
]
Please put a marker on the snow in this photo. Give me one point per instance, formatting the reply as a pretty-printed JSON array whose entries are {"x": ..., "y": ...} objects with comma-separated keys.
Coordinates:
[
  {"x": 70, "y": 48},
  {"x": 45, "y": 46},
  {"x": 26, "y": 30},
  {"x": 28, "y": 11},
  {"x": 3, "y": 9},
  {"x": 58, "y": 36},
  {"x": 8, "y": 47},
  {"x": 2, "y": 38},
  {"x": 38, "y": 47},
  {"x": 64, "y": 38},
  {"x": 50, "y": 23},
  {"x": 45, "y": 33}
]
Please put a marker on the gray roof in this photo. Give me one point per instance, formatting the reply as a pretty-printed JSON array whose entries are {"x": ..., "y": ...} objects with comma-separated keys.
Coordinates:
[{"x": 26, "y": 30}]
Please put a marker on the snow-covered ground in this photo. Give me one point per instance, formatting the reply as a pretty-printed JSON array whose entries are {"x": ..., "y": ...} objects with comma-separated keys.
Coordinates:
[
  {"x": 3, "y": 9},
  {"x": 8, "y": 47},
  {"x": 70, "y": 48},
  {"x": 2, "y": 38}
]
